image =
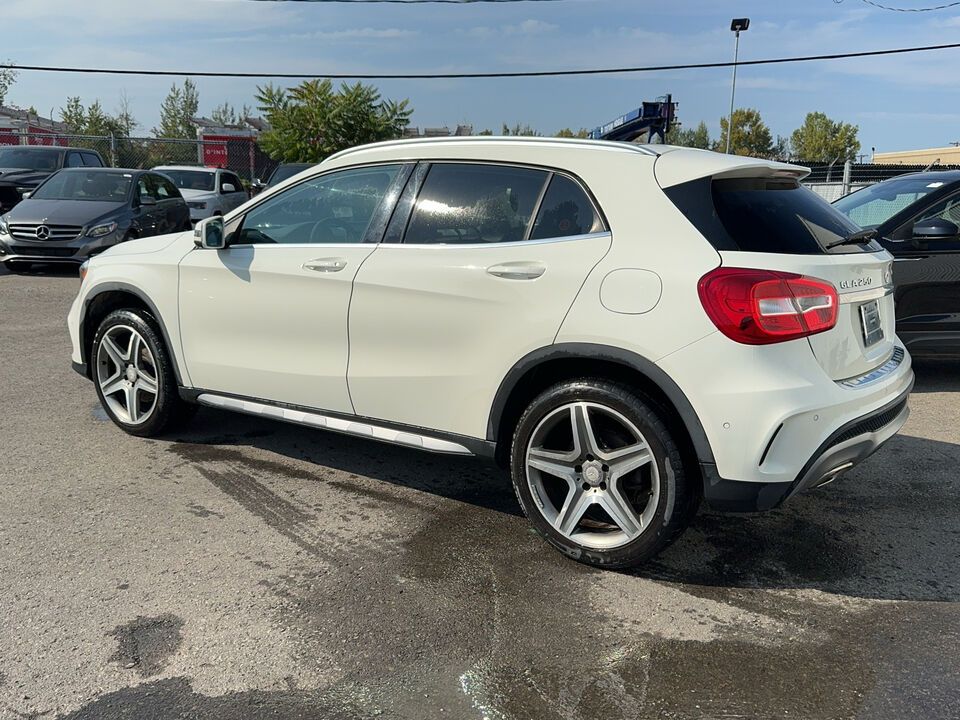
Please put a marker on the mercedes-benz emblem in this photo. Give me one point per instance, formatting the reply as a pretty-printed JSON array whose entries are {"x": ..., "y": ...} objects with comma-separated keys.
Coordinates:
[{"x": 43, "y": 232}]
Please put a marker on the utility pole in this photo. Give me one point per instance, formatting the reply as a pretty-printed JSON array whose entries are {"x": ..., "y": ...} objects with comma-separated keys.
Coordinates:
[{"x": 736, "y": 26}]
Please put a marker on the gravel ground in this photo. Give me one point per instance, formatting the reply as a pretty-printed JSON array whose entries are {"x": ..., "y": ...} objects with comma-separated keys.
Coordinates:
[{"x": 246, "y": 569}]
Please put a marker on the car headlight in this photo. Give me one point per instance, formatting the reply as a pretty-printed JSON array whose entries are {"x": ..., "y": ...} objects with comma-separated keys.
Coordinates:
[
  {"x": 4, "y": 230},
  {"x": 197, "y": 205},
  {"x": 101, "y": 230}
]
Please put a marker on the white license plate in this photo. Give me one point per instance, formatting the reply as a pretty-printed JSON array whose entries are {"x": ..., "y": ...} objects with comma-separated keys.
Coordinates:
[{"x": 870, "y": 323}]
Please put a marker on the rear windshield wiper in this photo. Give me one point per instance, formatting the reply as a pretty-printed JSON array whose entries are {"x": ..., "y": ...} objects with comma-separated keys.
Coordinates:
[{"x": 861, "y": 237}]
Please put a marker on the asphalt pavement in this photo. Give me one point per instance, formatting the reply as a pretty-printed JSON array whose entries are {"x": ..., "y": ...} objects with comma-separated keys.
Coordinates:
[{"x": 245, "y": 569}]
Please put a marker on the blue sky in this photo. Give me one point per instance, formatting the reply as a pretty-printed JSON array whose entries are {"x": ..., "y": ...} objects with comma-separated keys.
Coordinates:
[{"x": 899, "y": 102}]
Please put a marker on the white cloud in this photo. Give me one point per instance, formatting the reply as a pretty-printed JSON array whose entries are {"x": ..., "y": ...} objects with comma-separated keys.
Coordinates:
[
  {"x": 365, "y": 33},
  {"x": 529, "y": 27}
]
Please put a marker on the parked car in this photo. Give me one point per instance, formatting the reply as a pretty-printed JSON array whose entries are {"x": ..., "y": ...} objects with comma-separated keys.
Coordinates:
[
  {"x": 77, "y": 213},
  {"x": 208, "y": 191},
  {"x": 916, "y": 218},
  {"x": 280, "y": 173},
  {"x": 625, "y": 328},
  {"x": 23, "y": 167}
]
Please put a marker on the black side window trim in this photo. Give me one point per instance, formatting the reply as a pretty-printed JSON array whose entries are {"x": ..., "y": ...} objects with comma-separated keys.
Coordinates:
[
  {"x": 412, "y": 193},
  {"x": 397, "y": 228}
]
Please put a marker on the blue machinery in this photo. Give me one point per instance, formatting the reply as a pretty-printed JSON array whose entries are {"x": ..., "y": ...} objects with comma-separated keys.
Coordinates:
[{"x": 651, "y": 119}]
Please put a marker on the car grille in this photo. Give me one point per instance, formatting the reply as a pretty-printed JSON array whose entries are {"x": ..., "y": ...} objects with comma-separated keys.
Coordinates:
[
  {"x": 40, "y": 251},
  {"x": 28, "y": 231}
]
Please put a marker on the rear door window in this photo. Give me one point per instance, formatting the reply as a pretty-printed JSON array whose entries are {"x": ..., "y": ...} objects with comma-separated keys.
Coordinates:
[
  {"x": 462, "y": 203},
  {"x": 566, "y": 211}
]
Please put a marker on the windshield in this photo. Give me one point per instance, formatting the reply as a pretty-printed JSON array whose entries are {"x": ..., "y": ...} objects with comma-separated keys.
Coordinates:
[
  {"x": 29, "y": 159},
  {"x": 876, "y": 204},
  {"x": 98, "y": 186},
  {"x": 192, "y": 179}
]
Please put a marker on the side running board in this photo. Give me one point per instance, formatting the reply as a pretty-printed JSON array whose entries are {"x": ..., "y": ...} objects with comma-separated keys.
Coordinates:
[{"x": 341, "y": 425}]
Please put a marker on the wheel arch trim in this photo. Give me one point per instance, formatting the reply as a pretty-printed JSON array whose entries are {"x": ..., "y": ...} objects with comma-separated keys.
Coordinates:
[
  {"x": 116, "y": 286},
  {"x": 606, "y": 353}
]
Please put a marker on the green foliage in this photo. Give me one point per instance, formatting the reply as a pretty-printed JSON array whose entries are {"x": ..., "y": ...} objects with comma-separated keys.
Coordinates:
[
  {"x": 698, "y": 137},
  {"x": 820, "y": 138},
  {"x": 313, "y": 120},
  {"x": 750, "y": 136},
  {"x": 227, "y": 115},
  {"x": 177, "y": 111},
  {"x": 95, "y": 121},
  {"x": 8, "y": 76},
  {"x": 485, "y": 132},
  {"x": 568, "y": 133},
  {"x": 526, "y": 130}
]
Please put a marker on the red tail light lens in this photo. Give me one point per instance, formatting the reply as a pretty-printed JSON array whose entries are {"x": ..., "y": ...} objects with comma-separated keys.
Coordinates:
[{"x": 758, "y": 307}]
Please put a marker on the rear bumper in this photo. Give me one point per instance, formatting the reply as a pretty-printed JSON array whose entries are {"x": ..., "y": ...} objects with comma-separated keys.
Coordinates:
[{"x": 846, "y": 447}]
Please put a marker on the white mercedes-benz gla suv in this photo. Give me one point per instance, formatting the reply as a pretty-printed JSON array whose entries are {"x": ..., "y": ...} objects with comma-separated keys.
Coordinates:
[{"x": 627, "y": 329}]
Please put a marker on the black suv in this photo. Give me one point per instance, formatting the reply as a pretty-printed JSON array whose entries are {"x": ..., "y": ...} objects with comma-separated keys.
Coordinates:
[
  {"x": 23, "y": 167},
  {"x": 916, "y": 218}
]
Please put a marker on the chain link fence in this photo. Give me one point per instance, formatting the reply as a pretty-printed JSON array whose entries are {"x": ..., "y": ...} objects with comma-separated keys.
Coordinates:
[
  {"x": 833, "y": 181},
  {"x": 241, "y": 155}
]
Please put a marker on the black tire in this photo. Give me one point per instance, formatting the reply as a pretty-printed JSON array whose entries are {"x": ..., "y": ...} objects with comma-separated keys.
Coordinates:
[
  {"x": 129, "y": 403},
  {"x": 661, "y": 495}
]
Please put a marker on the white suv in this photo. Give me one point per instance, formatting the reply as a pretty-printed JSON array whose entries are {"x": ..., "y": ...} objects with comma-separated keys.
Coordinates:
[
  {"x": 626, "y": 328},
  {"x": 208, "y": 191}
]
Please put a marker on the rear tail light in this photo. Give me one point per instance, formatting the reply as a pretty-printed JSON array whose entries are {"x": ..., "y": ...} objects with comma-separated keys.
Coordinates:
[{"x": 759, "y": 307}]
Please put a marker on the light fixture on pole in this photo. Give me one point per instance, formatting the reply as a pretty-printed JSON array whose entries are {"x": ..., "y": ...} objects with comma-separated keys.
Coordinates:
[{"x": 736, "y": 26}]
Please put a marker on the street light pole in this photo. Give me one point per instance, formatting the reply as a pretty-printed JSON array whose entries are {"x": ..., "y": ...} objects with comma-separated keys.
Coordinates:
[{"x": 736, "y": 26}]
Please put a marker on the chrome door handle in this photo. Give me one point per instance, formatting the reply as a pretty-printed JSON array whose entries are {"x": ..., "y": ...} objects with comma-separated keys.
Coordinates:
[
  {"x": 908, "y": 259},
  {"x": 325, "y": 264},
  {"x": 517, "y": 270}
]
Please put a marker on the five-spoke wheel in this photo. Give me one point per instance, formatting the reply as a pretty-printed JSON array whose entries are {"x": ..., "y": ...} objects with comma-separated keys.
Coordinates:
[
  {"x": 598, "y": 473},
  {"x": 133, "y": 374},
  {"x": 127, "y": 374}
]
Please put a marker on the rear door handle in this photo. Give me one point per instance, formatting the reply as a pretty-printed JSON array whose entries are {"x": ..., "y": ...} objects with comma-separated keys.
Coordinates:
[
  {"x": 325, "y": 264},
  {"x": 517, "y": 270}
]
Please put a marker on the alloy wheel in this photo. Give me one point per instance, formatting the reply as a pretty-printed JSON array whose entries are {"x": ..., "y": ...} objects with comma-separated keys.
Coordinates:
[
  {"x": 127, "y": 374},
  {"x": 592, "y": 475}
]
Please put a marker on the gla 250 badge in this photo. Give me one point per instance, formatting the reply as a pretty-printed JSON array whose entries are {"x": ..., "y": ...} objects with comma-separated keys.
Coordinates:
[{"x": 855, "y": 283}]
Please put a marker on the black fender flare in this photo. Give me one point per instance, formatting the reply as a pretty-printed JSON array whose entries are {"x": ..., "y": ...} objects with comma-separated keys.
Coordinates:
[{"x": 619, "y": 356}]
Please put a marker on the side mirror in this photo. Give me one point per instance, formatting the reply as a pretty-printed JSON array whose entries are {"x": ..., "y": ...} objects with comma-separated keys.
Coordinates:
[
  {"x": 934, "y": 230},
  {"x": 25, "y": 195},
  {"x": 229, "y": 188},
  {"x": 209, "y": 233},
  {"x": 147, "y": 200}
]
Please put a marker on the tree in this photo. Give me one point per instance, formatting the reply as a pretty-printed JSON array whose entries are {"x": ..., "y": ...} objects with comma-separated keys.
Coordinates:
[
  {"x": 820, "y": 138},
  {"x": 177, "y": 112},
  {"x": 568, "y": 133},
  {"x": 313, "y": 120},
  {"x": 750, "y": 136},
  {"x": 698, "y": 137},
  {"x": 94, "y": 120},
  {"x": 526, "y": 130},
  {"x": 8, "y": 76},
  {"x": 226, "y": 114}
]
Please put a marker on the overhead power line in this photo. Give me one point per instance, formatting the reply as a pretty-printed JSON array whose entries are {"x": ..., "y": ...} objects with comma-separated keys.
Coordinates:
[
  {"x": 454, "y": 76},
  {"x": 411, "y": 2},
  {"x": 897, "y": 9}
]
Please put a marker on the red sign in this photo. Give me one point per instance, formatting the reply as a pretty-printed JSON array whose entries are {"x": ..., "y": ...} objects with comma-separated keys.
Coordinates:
[{"x": 215, "y": 153}]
